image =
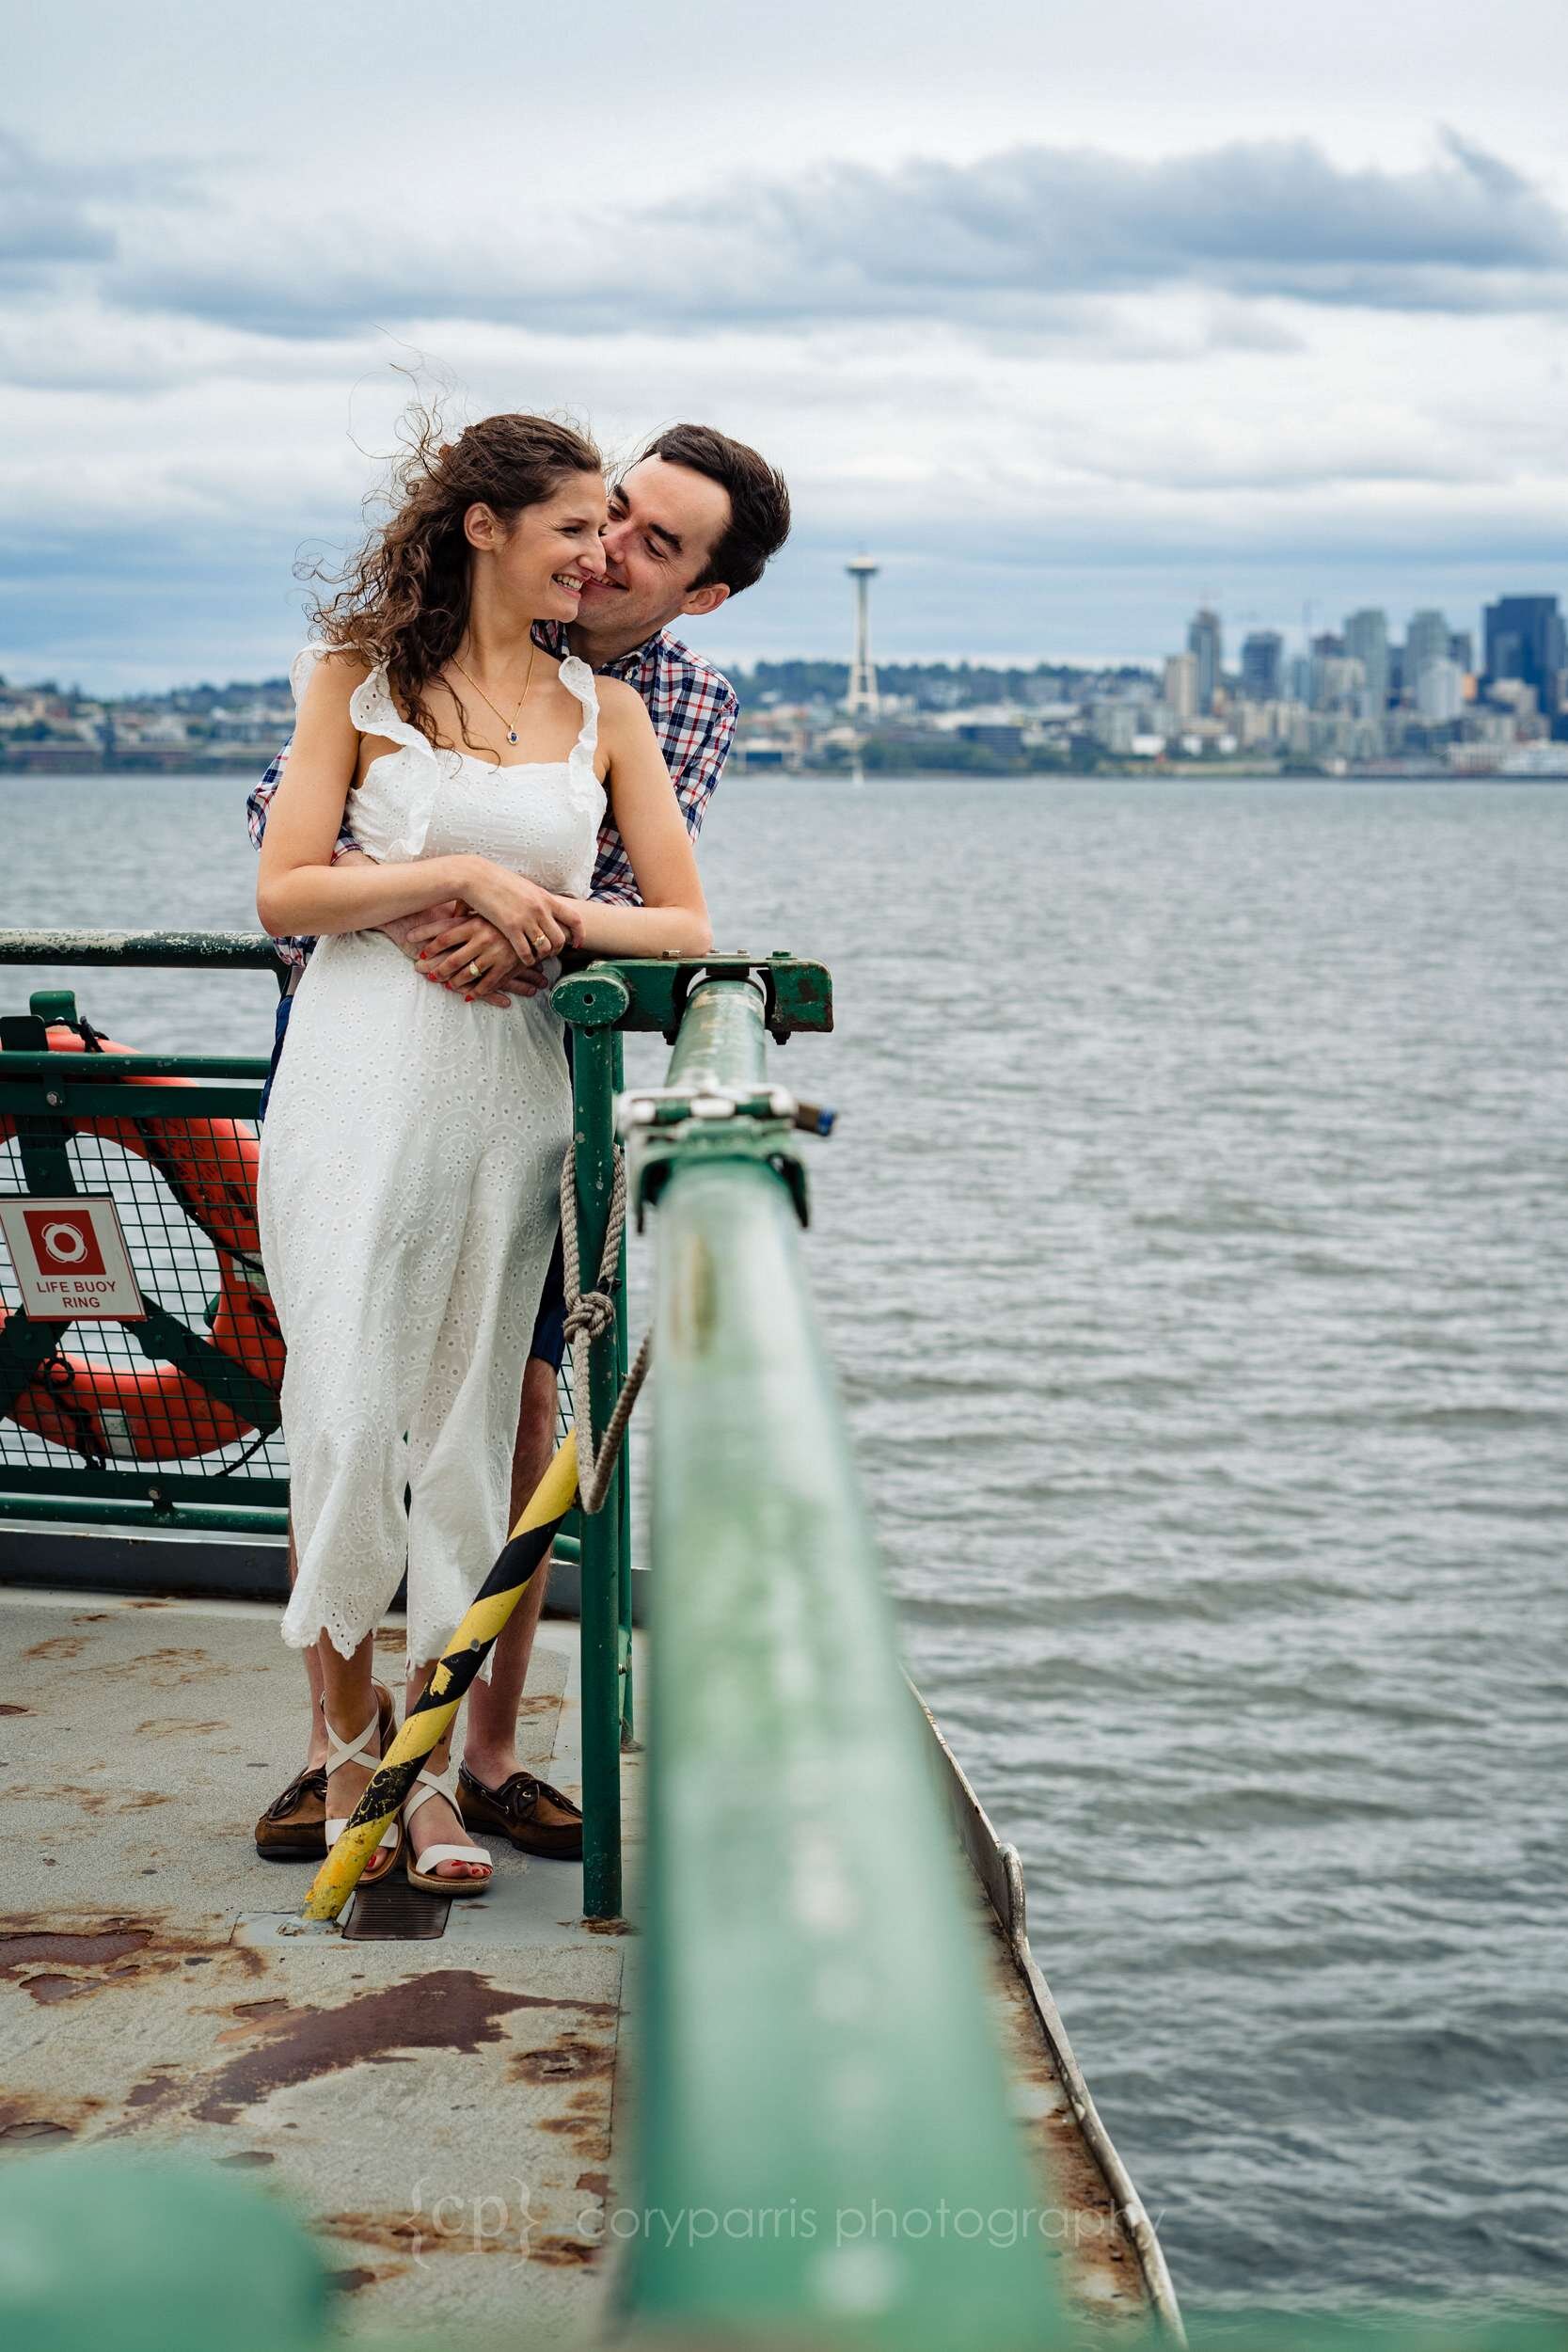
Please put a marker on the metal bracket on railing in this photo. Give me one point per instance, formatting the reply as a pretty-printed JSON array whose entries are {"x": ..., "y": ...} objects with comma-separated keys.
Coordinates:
[
  {"x": 652, "y": 991},
  {"x": 663, "y": 1125},
  {"x": 667, "y": 1106}
]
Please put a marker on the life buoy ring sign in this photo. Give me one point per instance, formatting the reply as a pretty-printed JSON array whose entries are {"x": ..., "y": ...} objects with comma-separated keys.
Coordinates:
[{"x": 69, "y": 1259}]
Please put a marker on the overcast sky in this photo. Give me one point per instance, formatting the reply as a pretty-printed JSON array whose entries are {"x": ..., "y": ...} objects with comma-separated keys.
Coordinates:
[{"x": 1075, "y": 316}]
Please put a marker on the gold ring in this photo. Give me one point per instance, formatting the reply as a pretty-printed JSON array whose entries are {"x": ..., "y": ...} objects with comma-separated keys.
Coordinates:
[
  {"x": 541, "y": 942},
  {"x": 473, "y": 971}
]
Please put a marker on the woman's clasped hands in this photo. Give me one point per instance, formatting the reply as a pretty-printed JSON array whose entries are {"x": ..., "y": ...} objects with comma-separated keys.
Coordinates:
[{"x": 493, "y": 954}]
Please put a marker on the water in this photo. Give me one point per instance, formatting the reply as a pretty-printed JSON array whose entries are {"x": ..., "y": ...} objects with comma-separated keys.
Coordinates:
[{"x": 1194, "y": 1247}]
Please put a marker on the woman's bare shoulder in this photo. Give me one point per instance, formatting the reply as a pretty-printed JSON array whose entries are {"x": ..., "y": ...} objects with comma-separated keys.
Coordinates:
[
  {"x": 345, "y": 671},
  {"x": 337, "y": 675}
]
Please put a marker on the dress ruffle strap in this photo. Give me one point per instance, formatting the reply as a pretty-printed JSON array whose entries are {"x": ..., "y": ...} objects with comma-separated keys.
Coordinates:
[
  {"x": 302, "y": 669},
  {"x": 374, "y": 712},
  {"x": 576, "y": 674}
]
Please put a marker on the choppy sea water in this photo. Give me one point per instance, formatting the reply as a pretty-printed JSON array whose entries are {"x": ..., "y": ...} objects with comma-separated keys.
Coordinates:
[{"x": 1194, "y": 1248}]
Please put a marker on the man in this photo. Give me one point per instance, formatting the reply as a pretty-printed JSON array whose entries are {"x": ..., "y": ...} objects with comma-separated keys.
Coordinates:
[{"x": 691, "y": 523}]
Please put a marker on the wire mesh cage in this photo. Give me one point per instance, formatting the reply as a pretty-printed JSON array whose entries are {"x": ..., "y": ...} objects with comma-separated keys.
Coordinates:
[{"x": 193, "y": 1384}]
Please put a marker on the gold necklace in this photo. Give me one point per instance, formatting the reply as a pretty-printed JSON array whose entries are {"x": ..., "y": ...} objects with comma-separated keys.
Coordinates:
[{"x": 510, "y": 725}]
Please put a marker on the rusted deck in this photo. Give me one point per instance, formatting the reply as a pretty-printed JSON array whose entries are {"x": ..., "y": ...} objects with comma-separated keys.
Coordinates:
[{"x": 449, "y": 2115}]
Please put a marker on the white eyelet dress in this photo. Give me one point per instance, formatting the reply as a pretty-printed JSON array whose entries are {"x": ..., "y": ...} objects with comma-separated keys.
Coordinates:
[{"x": 408, "y": 1199}]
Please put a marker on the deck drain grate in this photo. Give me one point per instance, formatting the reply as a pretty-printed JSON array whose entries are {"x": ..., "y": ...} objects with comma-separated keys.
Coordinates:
[{"x": 392, "y": 1912}]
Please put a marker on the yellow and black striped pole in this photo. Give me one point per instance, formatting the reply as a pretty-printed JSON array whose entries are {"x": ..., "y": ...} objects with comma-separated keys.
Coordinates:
[{"x": 517, "y": 1565}]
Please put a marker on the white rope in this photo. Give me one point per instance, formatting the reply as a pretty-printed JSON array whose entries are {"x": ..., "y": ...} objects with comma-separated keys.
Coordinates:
[{"x": 590, "y": 1314}]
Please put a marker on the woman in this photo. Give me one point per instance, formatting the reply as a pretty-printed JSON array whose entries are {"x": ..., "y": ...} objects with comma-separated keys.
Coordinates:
[{"x": 413, "y": 1143}]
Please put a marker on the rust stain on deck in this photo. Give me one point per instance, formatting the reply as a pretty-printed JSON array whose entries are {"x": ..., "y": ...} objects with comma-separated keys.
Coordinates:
[
  {"x": 93, "y": 1947},
  {"x": 41, "y": 2120},
  {"x": 285, "y": 2045},
  {"x": 395, "y": 2231},
  {"x": 569, "y": 2059},
  {"x": 352, "y": 2282},
  {"x": 562, "y": 2253},
  {"x": 416, "y": 2233},
  {"x": 46, "y": 1990},
  {"x": 89, "y": 1801},
  {"x": 103, "y": 1954},
  {"x": 164, "y": 1669},
  {"x": 59, "y": 1645},
  {"x": 1100, "y": 2273}
]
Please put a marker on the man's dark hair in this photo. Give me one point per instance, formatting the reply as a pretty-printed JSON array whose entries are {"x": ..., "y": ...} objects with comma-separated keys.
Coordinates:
[{"x": 759, "y": 500}]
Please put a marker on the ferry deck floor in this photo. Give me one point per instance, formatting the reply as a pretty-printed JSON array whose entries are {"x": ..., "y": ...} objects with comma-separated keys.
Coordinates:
[{"x": 448, "y": 2116}]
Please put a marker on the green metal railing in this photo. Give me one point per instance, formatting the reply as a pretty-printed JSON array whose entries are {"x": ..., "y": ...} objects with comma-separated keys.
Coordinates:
[
  {"x": 601, "y": 1002},
  {"x": 825, "y": 2139}
]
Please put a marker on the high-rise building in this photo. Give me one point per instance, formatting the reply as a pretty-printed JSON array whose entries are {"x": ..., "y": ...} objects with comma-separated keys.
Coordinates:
[
  {"x": 1339, "y": 683},
  {"x": 1328, "y": 662},
  {"x": 1425, "y": 641},
  {"x": 1440, "y": 692},
  {"x": 1206, "y": 645},
  {"x": 1367, "y": 641},
  {"x": 1179, "y": 685},
  {"x": 1263, "y": 663},
  {"x": 1461, "y": 648},
  {"x": 1525, "y": 640}
]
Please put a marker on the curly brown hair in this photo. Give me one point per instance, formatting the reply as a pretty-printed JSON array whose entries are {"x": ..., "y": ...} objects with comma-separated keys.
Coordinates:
[{"x": 402, "y": 599}]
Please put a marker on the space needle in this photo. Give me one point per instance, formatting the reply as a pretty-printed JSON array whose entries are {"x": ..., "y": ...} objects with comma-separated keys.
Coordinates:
[{"x": 863, "y": 701}]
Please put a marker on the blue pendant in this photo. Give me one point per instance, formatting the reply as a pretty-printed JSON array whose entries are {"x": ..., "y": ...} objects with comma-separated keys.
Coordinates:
[{"x": 512, "y": 738}]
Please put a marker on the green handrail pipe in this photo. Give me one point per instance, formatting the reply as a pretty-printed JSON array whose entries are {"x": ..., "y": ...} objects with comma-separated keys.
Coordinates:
[
  {"x": 826, "y": 2145},
  {"x": 168, "y": 951}
]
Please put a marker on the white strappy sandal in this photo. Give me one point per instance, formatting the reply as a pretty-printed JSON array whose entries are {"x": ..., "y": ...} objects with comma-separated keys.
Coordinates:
[
  {"x": 420, "y": 1868},
  {"x": 358, "y": 1752}
]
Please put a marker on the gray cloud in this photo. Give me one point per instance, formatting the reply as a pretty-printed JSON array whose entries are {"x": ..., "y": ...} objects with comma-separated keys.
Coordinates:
[
  {"x": 54, "y": 216},
  {"x": 1002, "y": 245},
  {"x": 43, "y": 219}
]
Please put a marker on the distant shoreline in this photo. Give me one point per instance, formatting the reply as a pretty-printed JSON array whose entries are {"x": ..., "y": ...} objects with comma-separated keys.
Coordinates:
[{"x": 1194, "y": 772}]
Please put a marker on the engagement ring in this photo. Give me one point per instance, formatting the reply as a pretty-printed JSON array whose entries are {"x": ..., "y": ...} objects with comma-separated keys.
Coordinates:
[{"x": 473, "y": 971}]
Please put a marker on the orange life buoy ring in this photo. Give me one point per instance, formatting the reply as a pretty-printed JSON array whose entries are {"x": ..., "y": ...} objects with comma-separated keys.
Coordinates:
[{"x": 159, "y": 1412}]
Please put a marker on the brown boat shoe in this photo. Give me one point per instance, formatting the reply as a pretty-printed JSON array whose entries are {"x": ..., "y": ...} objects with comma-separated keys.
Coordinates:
[
  {"x": 536, "y": 1818},
  {"x": 293, "y": 1827}
]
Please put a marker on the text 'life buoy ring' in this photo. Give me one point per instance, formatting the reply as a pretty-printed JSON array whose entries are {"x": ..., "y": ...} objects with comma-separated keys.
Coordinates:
[{"x": 157, "y": 1412}]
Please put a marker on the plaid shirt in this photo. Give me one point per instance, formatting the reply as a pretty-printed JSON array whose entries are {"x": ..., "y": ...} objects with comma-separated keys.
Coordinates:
[{"x": 693, "y": 708}]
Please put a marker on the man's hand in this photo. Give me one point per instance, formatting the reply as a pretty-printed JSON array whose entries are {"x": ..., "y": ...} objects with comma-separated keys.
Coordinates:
[
  {"x": 446, "y": 940},
  {"x": 407, "y": 932}
]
